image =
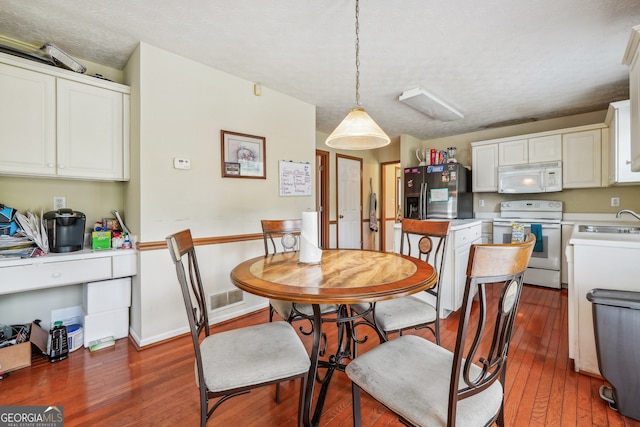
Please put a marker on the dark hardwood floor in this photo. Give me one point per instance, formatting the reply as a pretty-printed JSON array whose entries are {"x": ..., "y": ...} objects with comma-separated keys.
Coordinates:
[{"x": 120, "y": 386}]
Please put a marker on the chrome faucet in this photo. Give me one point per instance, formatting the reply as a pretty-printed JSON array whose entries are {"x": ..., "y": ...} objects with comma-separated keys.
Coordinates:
[{"x": 630, "y": 212}]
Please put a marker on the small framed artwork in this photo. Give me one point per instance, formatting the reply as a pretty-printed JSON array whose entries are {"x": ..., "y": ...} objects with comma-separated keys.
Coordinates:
[
  {"x": 243, "y": 156},
  {"x": 231, "y": 168}
]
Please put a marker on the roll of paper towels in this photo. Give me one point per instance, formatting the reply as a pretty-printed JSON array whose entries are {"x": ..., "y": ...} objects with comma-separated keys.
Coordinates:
[{"x": 310, "y": 253}]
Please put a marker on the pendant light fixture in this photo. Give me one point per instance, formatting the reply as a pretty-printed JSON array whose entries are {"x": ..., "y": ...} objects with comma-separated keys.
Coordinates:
[{"x": 357, "y": 131}]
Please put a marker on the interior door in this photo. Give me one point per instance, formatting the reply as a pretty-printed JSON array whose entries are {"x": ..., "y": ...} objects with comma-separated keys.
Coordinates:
[{"x": 349, "y": 206}]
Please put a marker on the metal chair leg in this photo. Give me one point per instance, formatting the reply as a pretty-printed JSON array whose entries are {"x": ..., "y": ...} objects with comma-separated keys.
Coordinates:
[{"x": 355, "y": 403}]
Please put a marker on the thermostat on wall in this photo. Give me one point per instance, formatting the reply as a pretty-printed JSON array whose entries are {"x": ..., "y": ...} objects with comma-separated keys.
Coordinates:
[{"x": 179, "y": 163}]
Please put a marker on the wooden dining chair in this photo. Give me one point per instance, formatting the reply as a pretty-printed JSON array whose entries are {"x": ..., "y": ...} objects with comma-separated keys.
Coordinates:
[
  {"x": 284, "y": 236},
  {"x": 233, "y": 362},
  {"x": 428, "y": 385},
  {"x": 425, "y": 240}
]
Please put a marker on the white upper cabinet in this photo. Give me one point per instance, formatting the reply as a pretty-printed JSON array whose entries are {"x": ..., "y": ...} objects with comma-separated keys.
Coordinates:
[
  {"x": 532, "y": 150},
  {"x": 90, "y": 131},
  {"x": 484, "y": 168},
  {"x": 56, "y": 123},
  {"x": 27, "y": 121},
  {"x": 513, "y": 152},
  {"x": 545, "y": 149},
  {"x": 619, "y": 122},
  {"x": 579, "y": 149},
  {"x": 632, "y": 59},
  {"x": 582, "y": 159}
]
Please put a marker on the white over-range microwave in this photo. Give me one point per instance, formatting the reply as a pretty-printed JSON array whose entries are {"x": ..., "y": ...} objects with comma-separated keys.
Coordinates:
[{"x": 530, "y": 178}]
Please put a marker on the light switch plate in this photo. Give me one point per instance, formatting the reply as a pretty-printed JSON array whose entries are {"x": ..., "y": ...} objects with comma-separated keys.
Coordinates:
[{"x": 179, "y": 163}]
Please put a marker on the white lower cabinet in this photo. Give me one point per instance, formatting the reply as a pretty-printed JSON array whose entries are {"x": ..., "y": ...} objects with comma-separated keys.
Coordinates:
[
  {"x": 462, "y": 234},
  {"x": 106, "y": 306},
  {"x": 454, "y": 276},
  {"x": 595, "y": 265},
  {"x": 106, "y": 285},
  {"x": 487, "y": 232}
]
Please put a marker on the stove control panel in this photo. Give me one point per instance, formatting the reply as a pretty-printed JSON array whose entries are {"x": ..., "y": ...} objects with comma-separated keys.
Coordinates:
[
  {"x": 533, "y": 209},
  {"x": 532, "y": 206}
]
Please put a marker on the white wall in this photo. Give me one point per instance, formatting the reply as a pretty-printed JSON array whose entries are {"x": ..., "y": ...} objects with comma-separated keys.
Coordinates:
[{"x": 180, "y": 107}]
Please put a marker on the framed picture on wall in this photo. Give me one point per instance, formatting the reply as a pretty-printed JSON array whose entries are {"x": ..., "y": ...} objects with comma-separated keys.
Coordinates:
[{"x": 243, "y": 156}]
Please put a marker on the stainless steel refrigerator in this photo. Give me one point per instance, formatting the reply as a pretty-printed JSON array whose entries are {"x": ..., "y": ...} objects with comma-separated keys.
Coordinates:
[{"x": 438, "y": 191}]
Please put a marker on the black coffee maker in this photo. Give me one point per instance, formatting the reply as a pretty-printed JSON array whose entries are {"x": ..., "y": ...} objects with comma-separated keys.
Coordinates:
[{"x": 65, "y": 230}]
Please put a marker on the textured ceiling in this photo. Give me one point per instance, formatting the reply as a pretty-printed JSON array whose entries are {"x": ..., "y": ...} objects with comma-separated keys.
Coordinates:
[{"x": 496, "y": 61}]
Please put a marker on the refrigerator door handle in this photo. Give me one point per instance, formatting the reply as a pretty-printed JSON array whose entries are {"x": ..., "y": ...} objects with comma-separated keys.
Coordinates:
[
  {"x": 420, "y": 202},
  {"x": 423, "y": 200}
]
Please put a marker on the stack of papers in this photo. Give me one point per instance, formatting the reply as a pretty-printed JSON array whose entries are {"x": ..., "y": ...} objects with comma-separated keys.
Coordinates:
[
  {"x": 16, "y": 247},
  {"x": 30, "y": 239},
  {"x": 32, "y": 227}
]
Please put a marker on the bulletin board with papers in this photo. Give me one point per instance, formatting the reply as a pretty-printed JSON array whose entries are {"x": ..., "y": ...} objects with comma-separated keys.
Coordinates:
[{"x": 295, "y": 178}]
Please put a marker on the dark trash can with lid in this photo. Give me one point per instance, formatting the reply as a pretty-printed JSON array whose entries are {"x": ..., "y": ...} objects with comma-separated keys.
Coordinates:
[{"x": 616, "y": 322}]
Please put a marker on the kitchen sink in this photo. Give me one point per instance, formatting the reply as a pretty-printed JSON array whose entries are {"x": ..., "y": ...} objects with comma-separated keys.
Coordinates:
[{"x": 609, "y": 229}]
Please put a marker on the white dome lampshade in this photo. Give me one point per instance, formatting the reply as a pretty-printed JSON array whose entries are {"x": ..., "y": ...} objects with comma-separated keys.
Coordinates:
[{"x": 357, "y": 131}]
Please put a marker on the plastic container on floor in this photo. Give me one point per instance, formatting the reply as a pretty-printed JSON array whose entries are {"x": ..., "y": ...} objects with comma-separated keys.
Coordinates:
[{"x": 616, "y": 321}]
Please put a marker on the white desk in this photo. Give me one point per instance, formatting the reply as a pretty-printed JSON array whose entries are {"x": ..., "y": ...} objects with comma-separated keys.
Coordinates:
[{"x": 52, "y": 270}]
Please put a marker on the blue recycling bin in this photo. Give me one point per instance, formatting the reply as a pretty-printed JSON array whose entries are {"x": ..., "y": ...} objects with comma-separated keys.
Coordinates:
[{"x": 616, "y": 321}]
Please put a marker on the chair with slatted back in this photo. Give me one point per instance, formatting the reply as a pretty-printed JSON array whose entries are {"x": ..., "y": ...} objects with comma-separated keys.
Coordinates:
[
  {"x": 233, "y": 362},
  {"x": 425, "y": 240},
  {"x": 284, "y": 236},
  {"x": 428, "y": 385}
]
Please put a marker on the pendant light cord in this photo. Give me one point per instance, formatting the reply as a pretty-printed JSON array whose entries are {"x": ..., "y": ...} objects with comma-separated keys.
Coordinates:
[
  {"x": 357, "y": 54},
  {"x": 357, "y": 131}
]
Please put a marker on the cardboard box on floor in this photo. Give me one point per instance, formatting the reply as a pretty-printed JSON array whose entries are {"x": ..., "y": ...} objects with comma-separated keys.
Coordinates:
[{"x": 19, "y": 355}]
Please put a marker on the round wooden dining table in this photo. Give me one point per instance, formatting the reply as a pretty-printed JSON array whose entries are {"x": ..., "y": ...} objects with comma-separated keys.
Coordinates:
[{"x": 344, "y": 276}]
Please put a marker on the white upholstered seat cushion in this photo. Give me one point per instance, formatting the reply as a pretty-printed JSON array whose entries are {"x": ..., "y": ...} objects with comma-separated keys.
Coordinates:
[
  {"x": 400, "y": 313},
  {"x": 411, "y": 376},
  {"x": 284, "y": 308},
  {"x": 252, "y": 355}
]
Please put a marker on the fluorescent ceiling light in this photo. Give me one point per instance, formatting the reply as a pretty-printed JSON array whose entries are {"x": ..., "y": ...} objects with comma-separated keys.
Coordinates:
[{"x": 430, "y": 105}]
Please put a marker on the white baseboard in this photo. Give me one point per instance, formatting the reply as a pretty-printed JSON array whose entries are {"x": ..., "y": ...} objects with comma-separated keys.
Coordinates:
[{"x": 212, "y": 321}]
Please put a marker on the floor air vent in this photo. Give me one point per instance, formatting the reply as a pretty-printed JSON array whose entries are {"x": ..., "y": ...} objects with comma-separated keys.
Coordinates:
[{"x": 225, "y": 299}]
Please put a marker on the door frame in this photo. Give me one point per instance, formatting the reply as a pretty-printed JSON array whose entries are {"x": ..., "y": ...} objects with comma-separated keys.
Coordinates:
[
  {"x": 383, "y": 201},
  {"x": 322, "y": 195}
]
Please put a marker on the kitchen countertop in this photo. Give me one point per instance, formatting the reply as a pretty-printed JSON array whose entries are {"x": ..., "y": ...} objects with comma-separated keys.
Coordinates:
[
  {"x": 625, "y": 240},
  {"x": 456, "y": 224},
  {"x": 464, "y": 223}
]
